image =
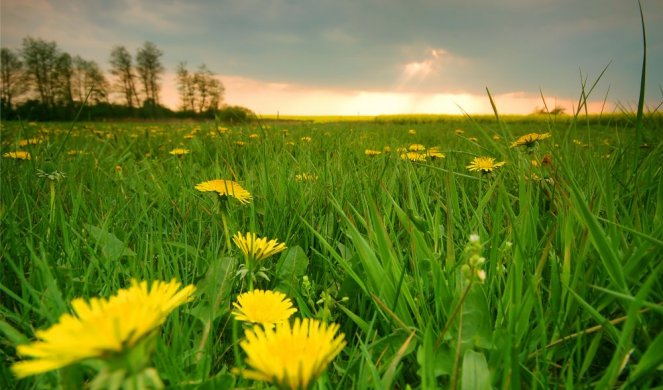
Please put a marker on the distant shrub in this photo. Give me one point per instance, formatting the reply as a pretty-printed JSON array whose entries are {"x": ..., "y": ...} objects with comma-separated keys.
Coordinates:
[{"x": 235, "y": 114}]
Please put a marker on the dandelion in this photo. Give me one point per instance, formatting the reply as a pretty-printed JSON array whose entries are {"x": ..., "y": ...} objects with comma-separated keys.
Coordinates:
[
  {"x": 484, "y": 164},
  {"x": 256, "y": 248},
  {"x": 263, "y": 307},
  {"x": 434, "y": 153},
  {"x": 386, "y": 149},
  {"x": 225, "y": 188},
  {"x": 75, "y": 152},
  {"x": 529, "y": 140},
  {"x": 305, "y": 177},
  {"x": 29, "y": 141},
  {"x": 240, "y": 143},
  {"x": 412, "y": 131},
  {"x": 372, "y": 153},
  {"x": 306, "y": 139},
  {"x": 497, "y": 137},
  {"x": 473, "y": 139},
  {"x": 416, "y": 148},
  {"x": 105, "y": 328},
  {"x": 179, "y": 151},
  {"x": 291, "y": 357},
  {"x": 18, "y": 155},
  {"x": 254, "y": 136},
  {"x": 413, "y": 156},
  {"x": 459, "y": 132}
]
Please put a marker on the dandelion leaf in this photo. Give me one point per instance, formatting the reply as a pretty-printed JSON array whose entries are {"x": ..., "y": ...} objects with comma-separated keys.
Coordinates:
[
  {"x": 214, "y": 290},
  {"x": 112, "y": 248},
  {"x": 290, "y": 269},
  {"x": 476, "y": 375}
]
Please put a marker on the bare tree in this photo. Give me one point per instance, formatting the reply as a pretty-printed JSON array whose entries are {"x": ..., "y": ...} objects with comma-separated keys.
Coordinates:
[
  {"x": 40, "y": 59},
  {"x": 216, "y": 91},
  {"x": 88, "y": 78},
  {"x": 122, "y": 68},
  {"x": 63, "y": 75},
  {"x": 186, "y": 87},
  {"x": 11, "y": 77},
  {"x": 148, "y": 64},
  {"x": 209, "y": 90}
]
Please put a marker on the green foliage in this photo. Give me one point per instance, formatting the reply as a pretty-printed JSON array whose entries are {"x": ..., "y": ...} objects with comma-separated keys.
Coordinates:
[{"x": 571, "y": 294}]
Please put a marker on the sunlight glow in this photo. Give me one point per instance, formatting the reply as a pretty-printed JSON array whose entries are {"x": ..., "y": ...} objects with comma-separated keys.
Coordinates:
[{"x": 290, "y": 99}]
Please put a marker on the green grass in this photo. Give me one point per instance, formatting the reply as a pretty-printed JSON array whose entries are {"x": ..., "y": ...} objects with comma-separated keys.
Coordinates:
[{"x": 572, "y": 297}]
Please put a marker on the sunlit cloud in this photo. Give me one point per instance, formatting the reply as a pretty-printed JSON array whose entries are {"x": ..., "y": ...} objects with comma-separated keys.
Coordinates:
[{"x": 435, "y": 64}]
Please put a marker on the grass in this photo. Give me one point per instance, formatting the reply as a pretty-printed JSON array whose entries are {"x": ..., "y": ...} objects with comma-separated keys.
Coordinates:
[{"x": 572, "y": 296}]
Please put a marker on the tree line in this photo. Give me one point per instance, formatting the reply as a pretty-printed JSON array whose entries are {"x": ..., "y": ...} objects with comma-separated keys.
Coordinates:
[{"x": 39, "y": 81}]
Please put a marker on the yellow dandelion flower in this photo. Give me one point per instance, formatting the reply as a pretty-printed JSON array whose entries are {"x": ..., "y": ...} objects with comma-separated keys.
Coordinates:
[
  {"x": 306, "y": 177},
  {"x": 484, "y": 164},
  {"x": 412, "y": 131},
  {"x": 225, "y": 188},
  {"x": 75, "y": 152},
  {"x": 372, "y": 153},
  {"x": 473, "y": 139},
  {"x": 497, "y": 137},
  {"x": 29, "y": 141},
  {"x": 435, "y": 153},
  {"x": 413, "y": 156},
  {"x": 254, "y": 136},
  {"x": 290, "y": 143},
  {"x": 306, "y": 139},
  {"x": 386, "y": 149},
  {"x": 416, "y": 148},
  {"x": 102, "y": 327},
  {"x": 263, "y": 307},
  {"x": 18, "y": 155},
  {"x": 535, "y": 163},
  {"x": 459, "y": 132},
  {"x": 179, "y": 151},
  {"x": 530, "y": 139},
  {"x": 189, "y": 136},
  {"x": 257, "y": 248},
  {"x": 240, "y": 143},
  {"x": 291, "y": 357}
]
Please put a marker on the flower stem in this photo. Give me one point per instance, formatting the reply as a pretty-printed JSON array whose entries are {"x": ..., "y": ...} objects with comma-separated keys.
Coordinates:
[
  {"x": 51, "y": 216},
  {"x": 224, "y": 221}
]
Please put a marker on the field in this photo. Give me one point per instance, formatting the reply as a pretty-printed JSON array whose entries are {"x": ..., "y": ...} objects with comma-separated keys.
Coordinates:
[{"x": 543, "y": 272}]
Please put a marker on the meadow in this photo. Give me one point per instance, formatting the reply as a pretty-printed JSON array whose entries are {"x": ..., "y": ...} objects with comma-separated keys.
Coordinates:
[{"x": 542, "y": 272}]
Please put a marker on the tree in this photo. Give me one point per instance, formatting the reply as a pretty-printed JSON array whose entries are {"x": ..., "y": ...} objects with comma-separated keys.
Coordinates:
[
  {"x": 88, "y": 78},
  {"x": 148, "y": 64},
  {"x": 186, "y": 87},
  {"x": 122, "y": 68},
  {"x": 217, "y": 90},
  {"x": 11, "y": 78},
  {"x": 209, "y": 90},
  {"x": 199, "y": 92},
  {"x": 63, "y": 74},
  {"x": 40, "y": 59}
]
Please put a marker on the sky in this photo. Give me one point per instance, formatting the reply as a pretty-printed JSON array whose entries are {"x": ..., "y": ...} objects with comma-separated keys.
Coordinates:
[{"x": 371, "y": 57}]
